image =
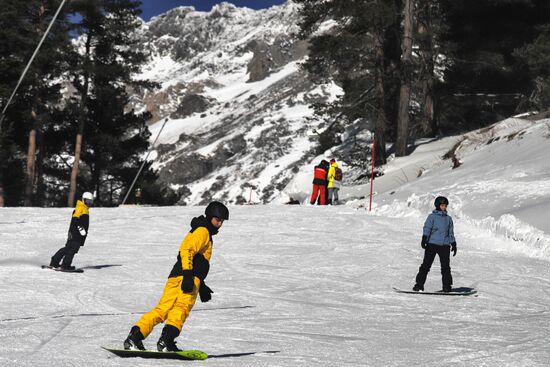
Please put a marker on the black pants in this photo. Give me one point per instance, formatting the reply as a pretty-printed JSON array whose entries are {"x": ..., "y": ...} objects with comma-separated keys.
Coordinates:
[
  {"x": 429, "y": 256},
  {"x": 66, "y": 254}
]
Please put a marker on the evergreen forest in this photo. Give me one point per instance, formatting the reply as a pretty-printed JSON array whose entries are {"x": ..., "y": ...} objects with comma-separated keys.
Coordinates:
[{"x": 412, "y": 68}]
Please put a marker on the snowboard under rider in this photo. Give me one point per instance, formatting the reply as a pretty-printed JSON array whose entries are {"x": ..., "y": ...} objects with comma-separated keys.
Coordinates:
[
  {"x": 437, "y": 239},
  {"x": 185, "y": 282},
  {"x": 78, "y": 231}
]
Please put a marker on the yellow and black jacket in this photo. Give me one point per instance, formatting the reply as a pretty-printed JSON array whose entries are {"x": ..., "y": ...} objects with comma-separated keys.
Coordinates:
[
  {"x": 197, "y": 241},
  {"x": 80, "y": 221}
]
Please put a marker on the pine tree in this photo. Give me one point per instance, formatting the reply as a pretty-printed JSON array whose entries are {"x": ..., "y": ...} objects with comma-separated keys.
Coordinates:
[
  {"x": 46, "y": 68},
  {"x": 110, "y": 136},
  {"x": 535, "y": 57},
  {"x": 484, "y": 80},
  {"x": 24, "y": 24},
  {"x": 362, "y": 54},
  {"x": 476, "y": 62}
]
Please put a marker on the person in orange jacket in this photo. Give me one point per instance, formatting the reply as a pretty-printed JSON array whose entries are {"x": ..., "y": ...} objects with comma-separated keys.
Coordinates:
[
  {"x": 319, "y": 183},
  {"x": 185, "y": 282}
]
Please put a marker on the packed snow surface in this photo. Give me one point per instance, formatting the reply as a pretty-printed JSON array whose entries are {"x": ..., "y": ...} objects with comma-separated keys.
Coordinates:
[
  {"x": 313, "y": 283},
  {"x": 301, "y": 285}
]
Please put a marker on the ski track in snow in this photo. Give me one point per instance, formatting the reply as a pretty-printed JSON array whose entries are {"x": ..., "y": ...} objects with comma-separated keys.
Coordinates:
[{"x": 313, "y": 283}]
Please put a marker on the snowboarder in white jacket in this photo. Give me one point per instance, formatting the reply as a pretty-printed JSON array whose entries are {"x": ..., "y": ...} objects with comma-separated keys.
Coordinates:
[{"x": 437, "y": 239}]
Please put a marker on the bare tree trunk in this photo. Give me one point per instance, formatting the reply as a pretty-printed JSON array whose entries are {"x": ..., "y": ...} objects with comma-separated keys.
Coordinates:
[
  {"x": 428, "y": 115},
  {"x": 427, "y": 79},
  {"x": 39, "y": 170},
  {"x": 78, "y": 143},
  {"x": 406, "y": 77},
  {"x": 74, "y": 171},
  {"x": 3, "y": 160},
  {"x": 96, "y": 180},
  {"x": 1, "y": 189},
  {"x": 31, "y": 151},
  {"x": 1, "y": 173},
  {"x": 381, "y": 120},
  {"x": 31, "y": 159}
]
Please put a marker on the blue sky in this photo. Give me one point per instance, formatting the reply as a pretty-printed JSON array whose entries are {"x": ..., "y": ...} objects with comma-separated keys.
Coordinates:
[{"x": 154, "y": 7}]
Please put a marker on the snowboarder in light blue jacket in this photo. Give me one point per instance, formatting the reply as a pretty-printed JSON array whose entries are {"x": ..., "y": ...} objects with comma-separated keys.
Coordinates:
[{"x": 437, "y": 239}]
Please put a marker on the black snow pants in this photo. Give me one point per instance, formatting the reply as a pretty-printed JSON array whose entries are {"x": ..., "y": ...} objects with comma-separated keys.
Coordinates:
[
  {"x": 429, "y": 256},
  {"x": 66, "y": 254}
]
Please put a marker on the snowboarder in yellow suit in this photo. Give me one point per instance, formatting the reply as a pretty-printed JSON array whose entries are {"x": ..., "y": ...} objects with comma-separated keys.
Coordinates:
[
  {"x": 185, "y": 282},
  {"x": 78, "y": 232}
]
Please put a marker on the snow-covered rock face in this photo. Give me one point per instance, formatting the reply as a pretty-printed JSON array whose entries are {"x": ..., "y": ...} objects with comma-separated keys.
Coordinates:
[{"x": 236, "y": 100}]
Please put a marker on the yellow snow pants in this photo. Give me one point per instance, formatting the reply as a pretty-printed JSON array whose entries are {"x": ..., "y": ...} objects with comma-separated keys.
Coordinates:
[{"x": 174, "y": 306}]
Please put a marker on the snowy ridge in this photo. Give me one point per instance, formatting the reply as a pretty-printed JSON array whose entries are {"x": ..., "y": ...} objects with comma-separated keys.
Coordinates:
[{"x": 236, "y": 100}]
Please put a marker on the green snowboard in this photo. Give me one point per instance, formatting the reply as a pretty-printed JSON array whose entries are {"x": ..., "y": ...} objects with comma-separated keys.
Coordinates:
[{"x": 190, "y": 355}]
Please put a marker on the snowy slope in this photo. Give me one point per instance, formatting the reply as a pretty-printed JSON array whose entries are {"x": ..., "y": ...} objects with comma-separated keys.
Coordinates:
[
  {"x": 502, "y": 185},
  {"x": 311, "y": 283}
]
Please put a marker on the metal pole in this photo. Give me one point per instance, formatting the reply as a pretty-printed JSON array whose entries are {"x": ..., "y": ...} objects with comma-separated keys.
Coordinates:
[
  {"x": 30, "y": 62},
  {"x": 143, "y": 164}
]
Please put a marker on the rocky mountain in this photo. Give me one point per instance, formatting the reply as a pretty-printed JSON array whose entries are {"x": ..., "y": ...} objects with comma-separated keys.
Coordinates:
[{"x": 234, "y": 98}]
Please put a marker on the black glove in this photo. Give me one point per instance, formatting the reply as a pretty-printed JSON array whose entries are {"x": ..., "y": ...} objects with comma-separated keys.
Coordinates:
[
  {"x": 188, "y": 282},
  {"x": 201, "y": 266},
  {"x": 424, "y": 241},
  {"x": 205, "y": 292},
  {"x": 453, "y": 248}
]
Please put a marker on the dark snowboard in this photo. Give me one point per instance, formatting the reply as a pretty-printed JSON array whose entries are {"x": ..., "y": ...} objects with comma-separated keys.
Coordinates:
[
  {"x": 462, "y": 291},
  {"x": 63, "y": 270},
  {"x": 190, "y": 355}
]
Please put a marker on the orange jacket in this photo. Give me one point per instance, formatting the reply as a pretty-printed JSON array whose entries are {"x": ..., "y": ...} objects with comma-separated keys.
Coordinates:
[{"x": 319, "y": 176}]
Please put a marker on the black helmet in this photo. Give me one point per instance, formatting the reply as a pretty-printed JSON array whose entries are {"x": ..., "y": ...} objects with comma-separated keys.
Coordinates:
[
  {"x": 440, "y": 200},
  {"x": 217, "y": 209}
]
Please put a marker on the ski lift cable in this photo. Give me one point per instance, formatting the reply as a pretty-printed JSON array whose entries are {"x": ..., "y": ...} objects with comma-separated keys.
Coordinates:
[
  {"x": 143, "y": 164},
  {"x": 30, "y": 62}
]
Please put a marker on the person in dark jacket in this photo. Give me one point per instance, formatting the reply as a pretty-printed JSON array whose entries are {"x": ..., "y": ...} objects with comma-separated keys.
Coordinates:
[
  {"x": 320, "y": 183},
  {"x": 78, "y": 232},
  {"x": 437, "y": 239},
  {"x": 185, "y": 282}
]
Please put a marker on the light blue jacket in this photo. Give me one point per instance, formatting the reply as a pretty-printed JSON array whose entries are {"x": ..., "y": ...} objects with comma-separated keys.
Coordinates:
[{"x": 438, "y": 228}]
